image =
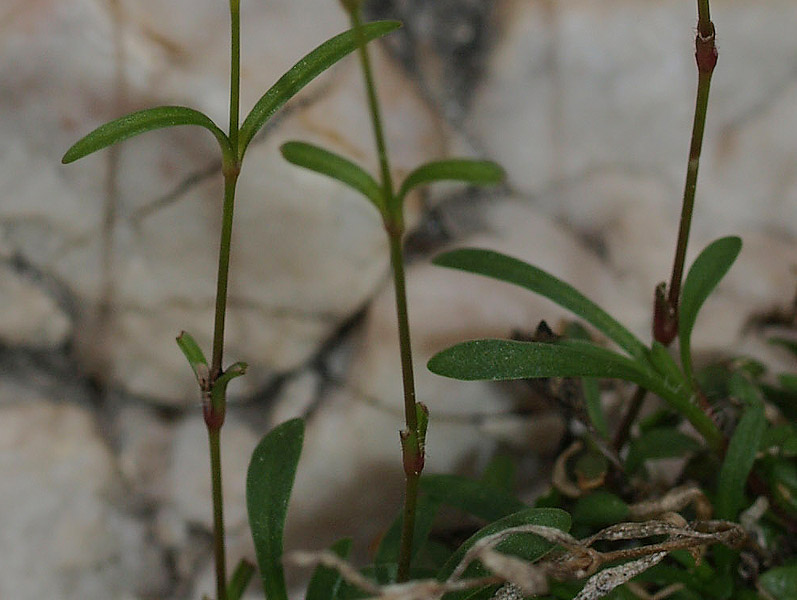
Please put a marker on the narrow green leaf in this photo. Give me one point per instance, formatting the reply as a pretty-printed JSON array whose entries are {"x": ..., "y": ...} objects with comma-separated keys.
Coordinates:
[
  {"x": 666, "y": 367},
  {"x": 788, "y": 381},
  {"x": 663, "y": 442},
  {"x": 196, "y": 358},
  {"x": 425, "y": 514},
  {"x": 742, "y": 450},
  {"x": 500, "y": 473},
  {"x": 526, "y": 546},
  {"x": 325, "y": 582},
  {"x": 782, "y": 479},
  {"x": 787, "y": 343},
  {"x": 505, "y": 268},
  {"x": 141, "y": 122},
  {"x": 497, "y": 360},
  {"x": 474, "y": 497},
  {"x": 334, "y": 166},
  {"x": 269, "y": 482},
  {"x": 780, "y": 582},
  {"x": 479, "y": 172},
  {"x": 240, "y": 580},
  {"x": 219, "y": 389},
  {"x": 708, "y": 269},
  {"x": 592, "y": 393},
  {"x": 592, "y": 400},
  {"x": 303, "y": 72},
  {"x": 600, "y": 508},
  {"x": 780, "y": 439},
  {"x": 784, "y": 397}
]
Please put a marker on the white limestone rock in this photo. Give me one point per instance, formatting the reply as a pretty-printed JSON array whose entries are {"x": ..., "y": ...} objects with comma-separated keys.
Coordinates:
[
  {"x": 61, "y": 535},
  {"x": 144, "y": 441},
  {"x": 584, "y": 87},
  {"x": 30, "y": 316},
  {"x": 307, "y": 252}
]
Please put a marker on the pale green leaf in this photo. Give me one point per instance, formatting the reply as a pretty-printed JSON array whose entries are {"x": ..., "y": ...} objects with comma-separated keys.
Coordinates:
[
  {"x": 474, "y": 497},
  {"x": 141, "y": 122},
  {"x": 742, "y": 449},
  {"x": 523, "y": 545},
  {"x": 196, "y": 358},
  {"x": 269, "y": 482},
  {"x": 708, "y": 269},
  {"x": 303, "y": 72},
  {"x": 325, "y": 582},
  {"x": 780, "y": 583},
  {"x": 335, "y": 166},
  {"x": 240, "y": 580},
  {"x": 388, "y": 550},
  {"x": 505, "y": 268},
  {"x": 497, "y": 360},
  {"x": 478, "y": 172}
]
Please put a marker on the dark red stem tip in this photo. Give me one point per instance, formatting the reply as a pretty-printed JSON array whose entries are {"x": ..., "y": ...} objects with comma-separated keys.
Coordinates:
[{"x": 706, "y": 49}]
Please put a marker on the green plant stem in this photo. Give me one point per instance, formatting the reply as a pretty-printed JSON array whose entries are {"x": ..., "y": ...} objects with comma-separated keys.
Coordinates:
[
  {"x": 666, "y": 317},
  {"x": 235, "y": 71},
  {"x": 704, "y": 25},
  {"x": 413, "y": 458},
  {"x": 218, "y": 512},
  {"x": 412, "y": 453},
  {"x": 407, "y": 375},
  {"x": 706, "y": 57},
  {"x": 376, "y": 114},
  {"x": 223, "y": 275},
  {"x": 215, "y": 411}
]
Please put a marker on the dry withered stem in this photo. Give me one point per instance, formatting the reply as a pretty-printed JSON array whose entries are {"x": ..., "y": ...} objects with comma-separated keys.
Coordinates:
[{"x": 575, "y": 560}]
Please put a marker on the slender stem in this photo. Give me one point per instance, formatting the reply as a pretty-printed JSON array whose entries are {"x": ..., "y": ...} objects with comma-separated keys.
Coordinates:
[
  {"x": 214, "y": 412},
  {"x": 218, "y": 513},
  {"x": 223, "y": 275},
  {"x": 704, "y": 83},
  {"x": 376, "y": 115},
  {"x": 704, "y": 25},
  {"x": 394, "y": 225},
  {"x": 235, "y": 71},
  {"x": 408, "y": 527},
  {"x": 407, "y": 376},
  {"x": 706, "y": 56}
]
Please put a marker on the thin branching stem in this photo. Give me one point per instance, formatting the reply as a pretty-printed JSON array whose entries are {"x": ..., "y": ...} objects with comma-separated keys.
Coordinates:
[
  {"x": 706, "y": 59},
  {"x": 235, "y": 70},
  {"x": 218, "y": 513},
  {"x": 374, "y": 109},
  {"x": 665, "y": 321},
  {"x": 215, "y": 411},
  {"x": 394, "y": 225},
  {"x": 698, "y": 127}
]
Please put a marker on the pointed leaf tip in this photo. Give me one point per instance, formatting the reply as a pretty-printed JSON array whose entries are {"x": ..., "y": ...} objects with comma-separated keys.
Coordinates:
[
  {"x": 495, "y": 360},
  {"x": 269, "y": 482},
  {"x": 335, "y": 166},
  {"x": 303, "y": 72},
  {"x": 196, "y": 358},
  {"x": 140, "y": 122},
  {"x": 478, "y": 172},
  {"x": 706, "y": 272},
  {"x": 512, "y": 270}
]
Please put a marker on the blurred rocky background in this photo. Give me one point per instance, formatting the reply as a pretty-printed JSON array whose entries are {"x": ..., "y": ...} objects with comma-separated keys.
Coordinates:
[{"x": 587, "y": 104}]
